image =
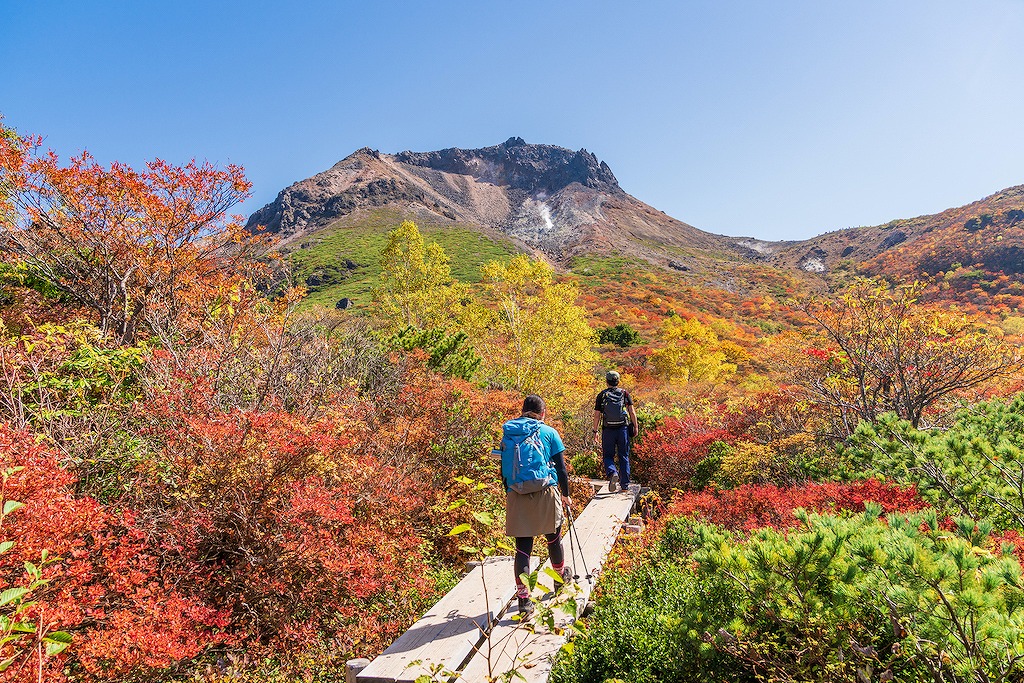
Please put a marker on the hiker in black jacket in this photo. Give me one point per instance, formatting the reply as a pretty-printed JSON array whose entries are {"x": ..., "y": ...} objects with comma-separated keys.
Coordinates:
[{"x": 615, "y": 420}]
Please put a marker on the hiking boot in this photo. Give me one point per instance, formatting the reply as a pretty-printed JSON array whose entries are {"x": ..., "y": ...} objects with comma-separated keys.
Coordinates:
[
  {"x": 613, "y": 483},
  {"x": 567, "y": 577},
  {"x": 525, "y": 607}
]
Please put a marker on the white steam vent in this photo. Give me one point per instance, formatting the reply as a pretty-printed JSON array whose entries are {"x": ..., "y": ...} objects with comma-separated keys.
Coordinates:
[{"x": 545, "y": 215}]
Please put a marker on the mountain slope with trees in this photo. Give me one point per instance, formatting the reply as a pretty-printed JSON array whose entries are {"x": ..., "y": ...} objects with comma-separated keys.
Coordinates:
[
  {"x": 205, "y": 475},
  {"x": 569, "y": 208}
]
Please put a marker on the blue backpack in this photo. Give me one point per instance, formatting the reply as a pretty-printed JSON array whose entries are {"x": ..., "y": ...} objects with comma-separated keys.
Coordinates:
[{"x": 525, "y": 465}]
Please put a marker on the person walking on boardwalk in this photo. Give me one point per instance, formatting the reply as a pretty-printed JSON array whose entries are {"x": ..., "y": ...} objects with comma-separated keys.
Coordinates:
[
  {"x": 537, "y": 486},
  {"x": 614, "y": 428}
]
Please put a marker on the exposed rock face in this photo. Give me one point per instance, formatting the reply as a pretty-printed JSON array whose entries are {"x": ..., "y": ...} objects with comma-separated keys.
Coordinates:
[
  {"x": 533, "y": 169},
  {"x": 814, "y": 260},
  {"x": 894, "y": 238},
  {"x": 352, "y": 183},
  {"x": 548, "y": 198}
]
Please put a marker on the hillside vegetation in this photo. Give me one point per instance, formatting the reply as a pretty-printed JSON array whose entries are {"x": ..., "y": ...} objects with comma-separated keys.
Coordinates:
[
  {"x": 343, "y": 260},
  {"x": 211, "y": 473},
  {"x": 973, "y": 255}
]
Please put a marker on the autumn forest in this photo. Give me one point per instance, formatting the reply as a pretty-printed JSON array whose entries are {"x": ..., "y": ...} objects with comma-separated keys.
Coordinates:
[{"x": 208, "y": 475}]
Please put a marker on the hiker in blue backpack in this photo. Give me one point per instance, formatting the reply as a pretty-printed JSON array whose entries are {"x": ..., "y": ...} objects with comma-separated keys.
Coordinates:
[
  {"x": 615, "y": 421},
  {"x": 537, "y": 486}
]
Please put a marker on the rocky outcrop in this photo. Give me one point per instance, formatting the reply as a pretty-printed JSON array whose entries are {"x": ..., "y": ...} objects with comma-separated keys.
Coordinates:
[
  {"x": 531, "y": 169},
  {"x": 357, "y": 181}
]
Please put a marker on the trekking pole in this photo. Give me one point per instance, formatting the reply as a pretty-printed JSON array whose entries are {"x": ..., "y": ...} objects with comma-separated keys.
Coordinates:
[
  {"x": 572, "y": 531},
  {"x": 568, "y": 509}
]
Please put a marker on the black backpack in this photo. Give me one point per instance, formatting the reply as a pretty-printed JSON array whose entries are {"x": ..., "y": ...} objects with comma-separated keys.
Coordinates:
[{"x": 614, "y": 408}]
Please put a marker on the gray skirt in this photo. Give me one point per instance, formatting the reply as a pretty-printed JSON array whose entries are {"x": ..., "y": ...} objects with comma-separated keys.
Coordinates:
[{"x": 533, "y": 514}]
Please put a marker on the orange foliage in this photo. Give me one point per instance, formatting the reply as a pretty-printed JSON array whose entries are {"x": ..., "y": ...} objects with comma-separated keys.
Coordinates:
[{"x": 146, "y": 251}]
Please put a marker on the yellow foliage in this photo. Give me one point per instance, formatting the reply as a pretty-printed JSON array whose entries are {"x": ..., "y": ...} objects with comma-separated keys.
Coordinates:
[
  {"x": 747, "y": 461},
  {"x": 692, "y": 352},
  {"x": 677, "y": 329},
  {"x": 416, "y": 284},
  {"x": 734, "y": 353},
  {"x": 756, "y": 383},
  {"x": 532, "y": 336},
  {"x": 1012, "y": 325},
  {"x": 723, "y": 328}
]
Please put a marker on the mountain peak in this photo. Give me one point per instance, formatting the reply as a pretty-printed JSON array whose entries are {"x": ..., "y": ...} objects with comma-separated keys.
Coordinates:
[
  {"x": 547, "y": 198},
  {"x": 519, "y": 165}
]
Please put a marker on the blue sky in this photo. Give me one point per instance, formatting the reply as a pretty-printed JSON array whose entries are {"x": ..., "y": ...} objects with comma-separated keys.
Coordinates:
[{"x": 778, "y": 119}]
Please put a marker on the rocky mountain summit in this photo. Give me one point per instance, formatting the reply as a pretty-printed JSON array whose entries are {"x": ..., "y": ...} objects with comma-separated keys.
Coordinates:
[
  {"x": 531, "y": 169},
  {"x": 563, "y": 203},
  {"x": 546, "y": 198}
]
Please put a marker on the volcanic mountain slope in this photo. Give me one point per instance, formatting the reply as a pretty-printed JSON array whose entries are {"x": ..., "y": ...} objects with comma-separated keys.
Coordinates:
[
  {"x": 545, "y": 198},
  {"x": 982, "y": 241},
  {"x": 564, "y": 204}
]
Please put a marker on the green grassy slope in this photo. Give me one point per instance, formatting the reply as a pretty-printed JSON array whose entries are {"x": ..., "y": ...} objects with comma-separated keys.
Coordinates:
[{"x": 331, "y": 253}]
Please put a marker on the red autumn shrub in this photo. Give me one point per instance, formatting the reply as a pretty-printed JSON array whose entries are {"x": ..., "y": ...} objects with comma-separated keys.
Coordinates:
[
  {"x": 667, "y": 456},
  {"x": 283, "y": 521},
  {"x": 104, "y": 584},
  {"x": 754, "y": 506}
]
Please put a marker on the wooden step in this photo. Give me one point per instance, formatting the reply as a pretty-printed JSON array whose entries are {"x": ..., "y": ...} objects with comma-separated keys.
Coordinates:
[{"x": 511, "y": 646}]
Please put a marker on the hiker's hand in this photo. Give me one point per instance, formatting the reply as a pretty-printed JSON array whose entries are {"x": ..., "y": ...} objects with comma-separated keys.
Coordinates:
[
  {"x": 597, "y": 438},
  {"x": 567, "y": 502}
]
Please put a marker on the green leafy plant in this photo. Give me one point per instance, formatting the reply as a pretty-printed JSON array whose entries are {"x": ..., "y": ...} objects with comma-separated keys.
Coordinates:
[
  {"x": 449, "y": 352},
  {"x": 974, "y": 468},
  {"x": 838, "y": 598},
  {"x": 649, "y": 622},
  {"x": 586, "y": 464},
  {"x": 621, "y": 335}
]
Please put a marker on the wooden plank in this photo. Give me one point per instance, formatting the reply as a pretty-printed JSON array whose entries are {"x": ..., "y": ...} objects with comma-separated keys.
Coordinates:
[
  {"x": 448, "y": 633},
  {"x": 453, "y": 633},
  {"x": 512, "y": 646},
  {"x": 596, "y": 530}
]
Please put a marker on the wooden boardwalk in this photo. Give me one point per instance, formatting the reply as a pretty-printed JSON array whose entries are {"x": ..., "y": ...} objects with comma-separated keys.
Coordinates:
[{"x": 472, "y": 629}]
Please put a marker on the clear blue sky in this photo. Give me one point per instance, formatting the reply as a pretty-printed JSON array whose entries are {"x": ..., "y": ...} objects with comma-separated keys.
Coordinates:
[{"x": 773, "y": 118}]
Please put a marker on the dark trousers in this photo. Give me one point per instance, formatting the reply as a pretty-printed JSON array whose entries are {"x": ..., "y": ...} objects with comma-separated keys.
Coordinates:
[
  {"x": 615, "y": 445},
  {"x": 524, "y": 549}
]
